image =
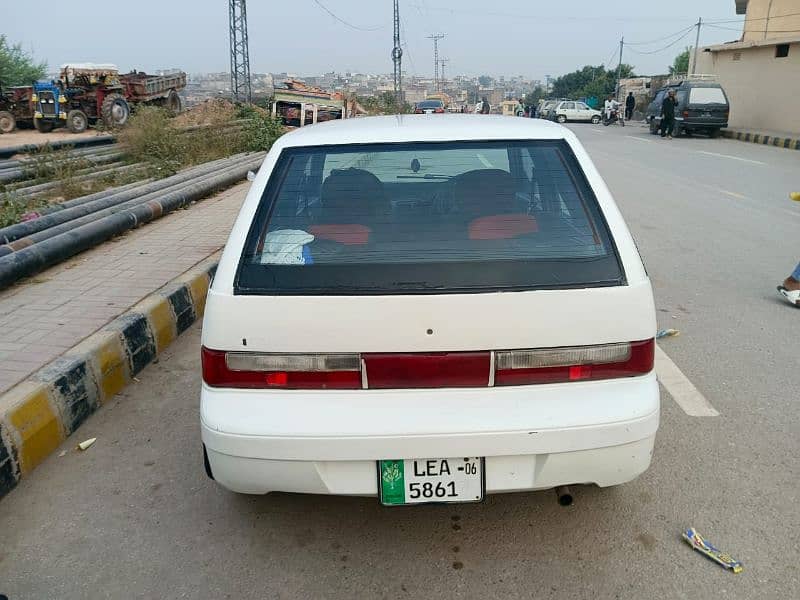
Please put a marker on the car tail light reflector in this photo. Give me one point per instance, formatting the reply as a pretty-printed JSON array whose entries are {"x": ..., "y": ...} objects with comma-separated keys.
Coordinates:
[
  {"x": 286, "y": 371},
  {"x": 428, "y": 370},
  {"x": 439, "y": 110},
  {"x": 685, "y": 114},
  {"x": 554, "y": 365}
]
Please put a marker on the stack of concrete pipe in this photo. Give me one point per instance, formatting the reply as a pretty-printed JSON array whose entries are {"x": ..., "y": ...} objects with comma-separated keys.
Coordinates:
[{"x": 77, "y": 225}]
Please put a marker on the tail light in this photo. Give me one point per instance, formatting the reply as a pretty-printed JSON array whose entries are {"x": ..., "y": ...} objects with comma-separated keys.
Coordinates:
[
  {"x": 286, "y": 371},
  {"x": 685, "y": 114},
  {"x": 554, "y": 365},
  {"x": 439, "y": 110},
  {"x": 426, "y": 370},
  {"x": 419, "y": 112}
]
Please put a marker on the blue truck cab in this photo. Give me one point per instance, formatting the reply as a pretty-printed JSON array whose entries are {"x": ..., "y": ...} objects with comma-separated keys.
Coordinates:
[{"x": 50, "y": 105}]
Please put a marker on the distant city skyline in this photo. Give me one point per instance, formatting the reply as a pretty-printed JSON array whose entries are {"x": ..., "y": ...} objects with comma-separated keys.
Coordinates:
[{"x": 301, "y": 37}]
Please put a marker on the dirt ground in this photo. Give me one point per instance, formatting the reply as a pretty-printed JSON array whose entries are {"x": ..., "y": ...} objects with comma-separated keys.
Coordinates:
[{"x": 31, "y": 136}]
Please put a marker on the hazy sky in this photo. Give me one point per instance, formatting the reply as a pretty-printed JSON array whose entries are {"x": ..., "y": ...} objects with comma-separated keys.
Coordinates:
[{"x": 531, "y": 39}]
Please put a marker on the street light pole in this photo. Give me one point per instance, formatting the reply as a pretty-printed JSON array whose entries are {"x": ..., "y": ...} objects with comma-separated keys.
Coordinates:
[{"x": 619, "y": 66}]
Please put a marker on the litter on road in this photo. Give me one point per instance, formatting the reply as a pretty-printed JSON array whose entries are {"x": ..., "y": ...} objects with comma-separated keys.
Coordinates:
[
  {"x": 703, "y": 546},
  {"x": 85, "y": 445},
  {"x": 662, "y": 333}
]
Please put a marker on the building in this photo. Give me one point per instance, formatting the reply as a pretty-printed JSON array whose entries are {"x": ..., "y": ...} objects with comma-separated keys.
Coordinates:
[{"x": 760, "y": 72}]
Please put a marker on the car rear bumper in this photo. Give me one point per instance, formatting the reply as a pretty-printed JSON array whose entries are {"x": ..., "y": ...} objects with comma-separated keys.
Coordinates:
[{"x": 533, "y": 437}]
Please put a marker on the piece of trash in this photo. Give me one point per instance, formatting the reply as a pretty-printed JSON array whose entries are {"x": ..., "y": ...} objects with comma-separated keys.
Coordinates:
[
  {"x": 662, "y": 333},
  {"x": 251, "y": 176},
  {"x": 85, "y": 445},
  {"x": 62, "y": 454},
  {"x": 136, "y": 379},
  {"x": 696, "y": 541}
]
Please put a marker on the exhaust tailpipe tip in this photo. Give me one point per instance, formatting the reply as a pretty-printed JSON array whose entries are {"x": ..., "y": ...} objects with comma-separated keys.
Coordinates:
[{"x": 564, "y": 495}]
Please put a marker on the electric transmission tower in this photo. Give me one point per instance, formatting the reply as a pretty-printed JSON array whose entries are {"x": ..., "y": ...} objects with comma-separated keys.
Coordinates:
[
  {"x": 240, "y": 55},
  {"x": 436, "y": 37},
  {"x": 443, "y": 79},
  {"x": 397, "y": 57}
]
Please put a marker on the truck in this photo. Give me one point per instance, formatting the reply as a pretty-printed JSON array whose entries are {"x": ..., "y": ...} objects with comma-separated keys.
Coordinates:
[
  {"x": 15, "y": 107},
  {"x": 87, "y": 93}
]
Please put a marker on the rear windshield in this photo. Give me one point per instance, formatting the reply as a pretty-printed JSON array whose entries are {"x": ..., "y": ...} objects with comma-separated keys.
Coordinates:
[
  {"x": 706, "y": 95},
  {"x": 430, "y": 104},
  {"x": 427, "y": 218}
]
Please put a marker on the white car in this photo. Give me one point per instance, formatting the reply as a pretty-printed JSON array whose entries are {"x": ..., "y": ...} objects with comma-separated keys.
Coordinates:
[
  {"x": 428, "y": 311},
  {"x": 576, "y": 111}
]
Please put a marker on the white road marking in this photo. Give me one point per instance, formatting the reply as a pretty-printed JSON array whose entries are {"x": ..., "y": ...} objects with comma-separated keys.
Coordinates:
[
  {"x": 640, "y": 139},
  {"x": 755, "y": 162},
  {"x": 734, "y": 194},
  {"x": 485, "y": 162},
  {"x": 680, "y": 388}
]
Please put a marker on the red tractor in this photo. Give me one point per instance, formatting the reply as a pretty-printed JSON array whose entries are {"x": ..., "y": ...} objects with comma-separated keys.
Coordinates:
[{"x": 88, "y": 93}]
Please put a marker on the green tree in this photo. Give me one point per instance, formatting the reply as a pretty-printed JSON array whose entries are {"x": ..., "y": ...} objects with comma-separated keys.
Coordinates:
[
  {"x": 681, "y": 63},
  {"x": 485, "y": 81},
  {"x": 384, "y": 103},
  {"x": 17, "y": 67},
  {"x": 532, "y": 98},
  {"x": 591, "y": 80}
]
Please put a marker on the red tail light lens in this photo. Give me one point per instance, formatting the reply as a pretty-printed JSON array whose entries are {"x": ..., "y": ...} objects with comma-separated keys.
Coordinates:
[
  {"x": 286, "y": 371},
  {"x": 439, "y": 110},
  {"x": 685, "y": 113},
  {"x": 555, "y": 365},
  {"x": 440, "y": 370},
  {"x": 419, "y": 112}
]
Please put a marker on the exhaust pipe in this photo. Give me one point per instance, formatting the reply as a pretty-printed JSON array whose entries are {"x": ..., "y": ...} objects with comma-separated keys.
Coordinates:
[{"x": 564, "y": 495}]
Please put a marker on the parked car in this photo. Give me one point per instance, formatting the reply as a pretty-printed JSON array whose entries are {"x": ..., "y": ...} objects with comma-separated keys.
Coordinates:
[
  {"x": 576, "y": 111},
  {"x": 424, "y": 311},
  {"x": 547, "y": 107},
  {"x": 701, "y": 107},
  {"x": 428, "y": 107}
]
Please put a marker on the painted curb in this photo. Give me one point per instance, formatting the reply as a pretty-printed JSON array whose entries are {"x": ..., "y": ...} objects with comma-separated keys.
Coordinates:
[
  {"x": 767, "y": 140},
  {"x": 38, "y": 414}
]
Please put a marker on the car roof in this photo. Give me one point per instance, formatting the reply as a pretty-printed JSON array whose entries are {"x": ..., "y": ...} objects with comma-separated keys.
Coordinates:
[{"x": 421, "y": 128}]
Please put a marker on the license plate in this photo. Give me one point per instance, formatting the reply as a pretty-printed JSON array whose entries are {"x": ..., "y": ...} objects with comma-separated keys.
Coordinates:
[
  {"x": 421, "y": 480},
  {"x": 707, "y": 115}
]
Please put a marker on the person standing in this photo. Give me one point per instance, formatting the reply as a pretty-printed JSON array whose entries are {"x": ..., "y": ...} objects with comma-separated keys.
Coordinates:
[
  {"x": 519, "y": 109},
  {"x": 630, "y": 104},
  {"x": 485, "y": 106},
  {"x": 668, "y": 115}
]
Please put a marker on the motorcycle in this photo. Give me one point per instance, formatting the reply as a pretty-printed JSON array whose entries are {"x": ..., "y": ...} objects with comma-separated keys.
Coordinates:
[{"x": 616, "y": 117}]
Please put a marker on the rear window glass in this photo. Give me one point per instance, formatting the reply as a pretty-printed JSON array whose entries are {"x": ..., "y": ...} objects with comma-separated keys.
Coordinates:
[
  {"x": 427, "y": 218},
  {"x": 430, "y": 104},
  {"x": 706, "y": 95}
]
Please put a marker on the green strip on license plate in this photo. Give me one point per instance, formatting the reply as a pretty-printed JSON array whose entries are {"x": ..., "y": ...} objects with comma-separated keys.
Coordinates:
[{"x": 393, "y": 485}]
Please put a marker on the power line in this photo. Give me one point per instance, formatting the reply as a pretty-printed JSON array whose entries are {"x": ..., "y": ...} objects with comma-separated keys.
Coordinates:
[
  {"x": 688, "y": 31},
  {"x": 757, "y": 19},
  {"x": 543, "y": 19},
  {"x": 343, "y": 22},
  {"x": 755, "y": 30},
  {"x": 666, "y": 37}
]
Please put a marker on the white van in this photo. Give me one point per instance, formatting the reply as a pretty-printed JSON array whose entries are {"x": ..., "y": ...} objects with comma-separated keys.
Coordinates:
[{"x": 428, "y": 309}]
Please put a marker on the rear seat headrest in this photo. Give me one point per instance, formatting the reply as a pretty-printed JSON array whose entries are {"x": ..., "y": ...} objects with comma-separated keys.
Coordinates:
[
  {"x": 486, "y": 192},
  {"x": 352, "y": 196}
]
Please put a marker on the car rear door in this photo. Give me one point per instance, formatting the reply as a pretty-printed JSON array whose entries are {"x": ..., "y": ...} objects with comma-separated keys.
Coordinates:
[
  {"x": 706, "y": 106},
  {"x": 583, "y": 112}
]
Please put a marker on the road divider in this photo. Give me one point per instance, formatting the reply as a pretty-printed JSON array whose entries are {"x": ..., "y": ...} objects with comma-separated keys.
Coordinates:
[{"x": 38, "y": 414}]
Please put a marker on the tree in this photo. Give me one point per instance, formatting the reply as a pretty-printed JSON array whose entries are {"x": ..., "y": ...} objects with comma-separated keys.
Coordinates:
[
  {"x": 485, "y": 81},
  {"x": 384, "y": 103},
  {"x": 590, "y": 81},
  {"x": 681, "y": 63},
  {"x": 17, "y": 67},
  {"x": 532, "y": 98}
]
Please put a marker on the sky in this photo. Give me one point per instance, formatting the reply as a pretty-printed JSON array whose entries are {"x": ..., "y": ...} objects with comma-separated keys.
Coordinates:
[{"x": 533, "y": 39}]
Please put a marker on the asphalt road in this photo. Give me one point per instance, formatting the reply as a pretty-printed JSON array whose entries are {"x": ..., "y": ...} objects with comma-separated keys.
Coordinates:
[{"x": 135, "y": 517}]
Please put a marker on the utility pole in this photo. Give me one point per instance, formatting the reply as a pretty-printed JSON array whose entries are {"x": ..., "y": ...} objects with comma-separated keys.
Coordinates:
[
  {"x": 443, "y": 62},
  {"x": 436, "y": 37},
  {"x": 696, "y": 44},
  {"x": 240, "y": 54},
  {"x": 619, "y": 66},
  {"x": 397, "y": 58}
]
